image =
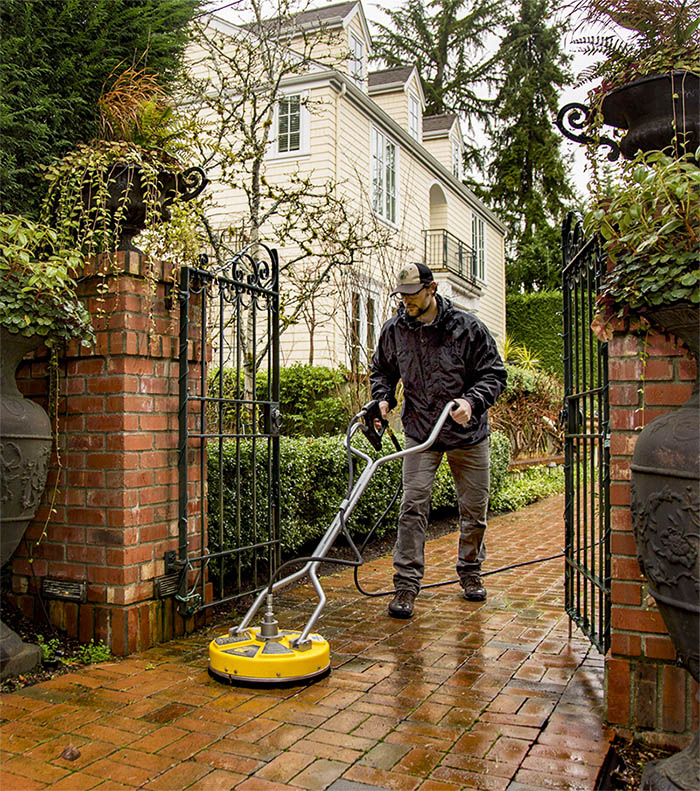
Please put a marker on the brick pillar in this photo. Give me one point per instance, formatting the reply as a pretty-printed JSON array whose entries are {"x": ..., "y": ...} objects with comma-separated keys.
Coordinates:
[
  {"x": 647, "y": 694},
  {"x": 115, "y": 507}
]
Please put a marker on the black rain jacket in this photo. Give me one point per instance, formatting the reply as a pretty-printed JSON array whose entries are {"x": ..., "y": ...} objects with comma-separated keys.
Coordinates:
[{"x": 453, "y": 357}]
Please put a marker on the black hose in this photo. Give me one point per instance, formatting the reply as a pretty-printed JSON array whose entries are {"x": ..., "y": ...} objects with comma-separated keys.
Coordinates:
[{"x": 359, "y": 561}]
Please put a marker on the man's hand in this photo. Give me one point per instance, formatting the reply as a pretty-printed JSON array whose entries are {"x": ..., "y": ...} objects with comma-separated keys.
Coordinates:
[
  {"x": 462, "y": 413},
  {"x": 384, "y": 411}
]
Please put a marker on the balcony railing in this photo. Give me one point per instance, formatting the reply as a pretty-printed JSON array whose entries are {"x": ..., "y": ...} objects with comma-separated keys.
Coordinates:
[{"x": 444, "y": 252}]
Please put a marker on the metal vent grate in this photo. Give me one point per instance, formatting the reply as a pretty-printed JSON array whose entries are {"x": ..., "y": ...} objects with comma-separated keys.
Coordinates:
[{"x": 64, "y": 589}]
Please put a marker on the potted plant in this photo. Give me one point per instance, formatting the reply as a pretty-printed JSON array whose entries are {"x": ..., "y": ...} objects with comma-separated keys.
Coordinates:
[
  {"x": 38, "y": 305},
  {"x": 125, "y": 182},
  {"x": 648, "y": 79}
]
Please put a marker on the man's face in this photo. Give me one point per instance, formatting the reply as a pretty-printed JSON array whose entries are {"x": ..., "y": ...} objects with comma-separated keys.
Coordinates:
[{"x": 417, "y": 304}]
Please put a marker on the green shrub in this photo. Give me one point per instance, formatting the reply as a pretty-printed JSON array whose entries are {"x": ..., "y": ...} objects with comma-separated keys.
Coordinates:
[
  {"x": 528, "y": 412},
  {"x": 523, "y": 487},
  {"x": 311, "y": 403},
  {"x": 534, "y": 320}
]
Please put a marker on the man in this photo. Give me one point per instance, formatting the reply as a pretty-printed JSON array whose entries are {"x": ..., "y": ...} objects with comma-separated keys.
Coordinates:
[{"x": 440, "y": 354}]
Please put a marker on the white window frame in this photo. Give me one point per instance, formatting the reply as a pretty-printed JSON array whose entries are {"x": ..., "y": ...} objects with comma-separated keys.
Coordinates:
[
  {"x": 384, "y": 176},
  {"x": 414, "y": 117},
  {"x": 456, "y": 158},
  {"x": 356, "y": 62},
  {"x": 479, "y": 246},
  {"x": 362, "y": 297},
  {"x": 304, "y": 124}
]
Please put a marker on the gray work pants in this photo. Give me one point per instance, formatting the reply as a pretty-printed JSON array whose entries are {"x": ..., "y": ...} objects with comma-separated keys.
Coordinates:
[{"x": 470, "y": 470}]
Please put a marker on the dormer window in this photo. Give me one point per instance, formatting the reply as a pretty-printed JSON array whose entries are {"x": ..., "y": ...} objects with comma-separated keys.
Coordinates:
[
  {"x": 414, "y": 117},
  {"x": 356, "y": 66}
]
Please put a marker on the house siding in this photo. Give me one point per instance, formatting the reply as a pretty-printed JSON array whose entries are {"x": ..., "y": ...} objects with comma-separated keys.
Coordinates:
[{"x": 341, "y": 120}]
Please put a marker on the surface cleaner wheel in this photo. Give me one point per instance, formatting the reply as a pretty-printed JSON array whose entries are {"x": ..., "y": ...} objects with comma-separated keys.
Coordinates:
[{"x": 247, "y": 658}]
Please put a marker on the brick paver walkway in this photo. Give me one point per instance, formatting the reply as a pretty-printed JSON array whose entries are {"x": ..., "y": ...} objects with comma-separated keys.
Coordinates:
[{"x": 465, "y": 695}]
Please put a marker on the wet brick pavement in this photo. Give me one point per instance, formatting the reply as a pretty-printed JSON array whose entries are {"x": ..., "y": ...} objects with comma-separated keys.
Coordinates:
[{"x": 492, "y": 695}]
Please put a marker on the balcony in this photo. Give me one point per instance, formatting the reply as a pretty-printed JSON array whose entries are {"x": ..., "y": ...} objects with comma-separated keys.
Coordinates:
[{"x": 444, "y": 252}]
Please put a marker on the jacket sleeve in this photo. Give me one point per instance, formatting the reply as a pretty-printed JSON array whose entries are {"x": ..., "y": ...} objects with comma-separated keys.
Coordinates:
[
  {"x": 486, "y": 373},
  {"x": 384, "y": 372}
]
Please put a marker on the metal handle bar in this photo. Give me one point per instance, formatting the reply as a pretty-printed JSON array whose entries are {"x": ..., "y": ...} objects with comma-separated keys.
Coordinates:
[{"x": 344, "y": 511}]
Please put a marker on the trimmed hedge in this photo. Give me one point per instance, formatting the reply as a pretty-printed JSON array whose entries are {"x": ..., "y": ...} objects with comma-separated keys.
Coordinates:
[
  {"x": 534, "y": 320},
  {"x": 311, "y": 401},
  {"x": 313, "y": 484},
  {"x": 523, "y": 487}
]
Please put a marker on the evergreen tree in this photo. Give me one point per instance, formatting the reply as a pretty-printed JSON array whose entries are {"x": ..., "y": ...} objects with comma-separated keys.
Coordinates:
[
  {"x": 446, "y": 40},
  {"x": 55, "y": 56},
  {"x": 529, "y": 182}
]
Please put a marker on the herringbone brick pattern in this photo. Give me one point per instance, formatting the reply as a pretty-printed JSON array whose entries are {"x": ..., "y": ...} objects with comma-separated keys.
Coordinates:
[{"x": 491, "y": 695}]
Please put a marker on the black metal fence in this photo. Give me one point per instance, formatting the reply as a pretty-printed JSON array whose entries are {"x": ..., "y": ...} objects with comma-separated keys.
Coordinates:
[
  {"x": 229, "y": 421},
  {"x": 586, "y": 440}
]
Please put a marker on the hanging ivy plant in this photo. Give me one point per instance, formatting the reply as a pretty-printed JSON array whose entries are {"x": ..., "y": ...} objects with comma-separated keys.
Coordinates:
[
  {"x": 650, "y": 225},
  {"x": 38, "y": 275},
  {"x": 107, "y": 191}
]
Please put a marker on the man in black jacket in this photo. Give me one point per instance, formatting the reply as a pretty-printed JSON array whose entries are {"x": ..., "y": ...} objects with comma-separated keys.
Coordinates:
[{"x": 440, "y": 354}]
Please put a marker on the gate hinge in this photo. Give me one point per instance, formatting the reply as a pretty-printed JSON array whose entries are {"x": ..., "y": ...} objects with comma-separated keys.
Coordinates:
[{"x": 172, "y": 564}]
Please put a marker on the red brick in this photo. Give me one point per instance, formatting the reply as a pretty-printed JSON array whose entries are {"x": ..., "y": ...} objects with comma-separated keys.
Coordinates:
[
  {"x": 121, "y": 441},
  {"x": 666, "y": 394},
  {"x": 625, "y": 568},
  {"x": 114, "y": 384},
  {"x": 659, "y": 648},
  {"x": 130, "y": 555},
  {"x": 623, "y": 544},
  {"x": 112, "y": 576},
  {"x": 626, "y": 644},
  {"x": 658, "y": 369},
  {"x": 673, "y": 698},
  {"x": 626, "y": 419},
  {"x": 617, "y": 673},
  {"x": 112, "y": 461},
  {"x": 624, "y": 394},
  {"x": 625, "y": 370},
  {"x": 620, "y": 519},
  {"x": 687, "y": 370},
  {"x": 629, "y": 593},
  {"x": 635, "y": 620},
  {"x": 85, "y": 554}
]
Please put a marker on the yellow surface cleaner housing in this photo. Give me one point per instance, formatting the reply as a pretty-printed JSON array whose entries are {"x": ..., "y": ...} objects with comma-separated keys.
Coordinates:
[{"x": 269, "y": 656}]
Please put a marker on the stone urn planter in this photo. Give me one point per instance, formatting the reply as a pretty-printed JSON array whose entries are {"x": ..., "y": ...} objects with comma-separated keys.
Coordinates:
[
  {"x": 665, "y": 506},
  {"x": 25, "y": 449},
  {"x": 654, "y": 110}
]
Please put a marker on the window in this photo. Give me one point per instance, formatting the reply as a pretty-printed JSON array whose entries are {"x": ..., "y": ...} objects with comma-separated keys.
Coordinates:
[
  {"x": 363, "y": 329},
  {"x": 356, "y": 65},
  {"x": 456, "y": 159},
  {"x": 479, "y": 270},
  {"x": 383, "y": 176},
  {"x": 414, "y": 119},
  {"x": 289, "y": 124}
]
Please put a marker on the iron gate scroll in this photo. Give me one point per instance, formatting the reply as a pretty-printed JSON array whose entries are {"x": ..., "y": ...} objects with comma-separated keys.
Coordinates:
[
  {"x": 585, "y": 417},
  {"x": 229, "y": 423}
]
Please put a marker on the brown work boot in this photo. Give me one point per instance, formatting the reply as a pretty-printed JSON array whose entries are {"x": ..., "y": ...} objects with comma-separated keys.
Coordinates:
[
  {"x": 401, "y": 606},
  {"x": 474, "y": 589}
]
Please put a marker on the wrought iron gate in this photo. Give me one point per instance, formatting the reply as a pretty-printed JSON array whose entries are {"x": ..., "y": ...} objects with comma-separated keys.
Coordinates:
[
  {"x": 229, "y": 421},
  {"x": 585, "y": 417}
]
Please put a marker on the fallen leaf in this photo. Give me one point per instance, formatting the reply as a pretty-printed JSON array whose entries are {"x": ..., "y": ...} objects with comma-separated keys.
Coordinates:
[{"x": 70, "y": 753}]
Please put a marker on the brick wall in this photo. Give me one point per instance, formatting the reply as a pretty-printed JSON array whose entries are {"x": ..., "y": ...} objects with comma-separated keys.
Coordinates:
[
  {"x": 648, "y": 694},
  {"x": 110, "y": 509}
]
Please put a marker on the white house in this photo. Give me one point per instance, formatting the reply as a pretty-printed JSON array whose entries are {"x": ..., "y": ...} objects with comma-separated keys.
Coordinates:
[{"x": 365, "y": 133}]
